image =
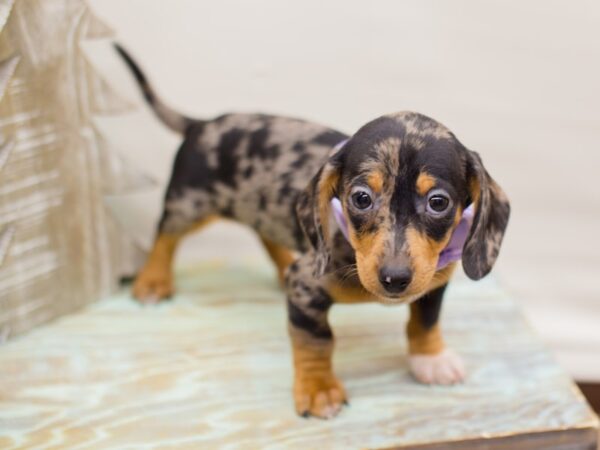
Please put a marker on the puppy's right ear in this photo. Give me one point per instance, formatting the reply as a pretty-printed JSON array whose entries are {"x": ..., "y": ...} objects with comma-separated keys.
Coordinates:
[
  {"x": 492, "y": 211},
  {"x": 314, "y": 207}
]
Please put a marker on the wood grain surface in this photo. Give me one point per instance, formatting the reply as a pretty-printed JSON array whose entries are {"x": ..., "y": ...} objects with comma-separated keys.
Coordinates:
[{"x": 212, "y": 369}]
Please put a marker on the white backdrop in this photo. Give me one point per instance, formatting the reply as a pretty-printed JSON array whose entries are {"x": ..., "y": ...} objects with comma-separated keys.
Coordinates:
[{"x": 516, "y": 81}]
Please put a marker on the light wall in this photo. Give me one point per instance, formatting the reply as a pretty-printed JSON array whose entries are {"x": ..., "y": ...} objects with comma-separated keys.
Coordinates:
[{"x": 516, "y": 81}]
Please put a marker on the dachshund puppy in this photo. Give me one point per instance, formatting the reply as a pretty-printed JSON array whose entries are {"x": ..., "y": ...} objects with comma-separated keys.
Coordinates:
[{"x": 382, "y": 215}]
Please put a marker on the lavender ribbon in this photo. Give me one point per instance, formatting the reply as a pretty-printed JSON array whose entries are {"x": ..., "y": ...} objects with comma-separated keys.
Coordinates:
[
  {"x": 451, "y": 253},
  {"x": 338, "y": 214}
]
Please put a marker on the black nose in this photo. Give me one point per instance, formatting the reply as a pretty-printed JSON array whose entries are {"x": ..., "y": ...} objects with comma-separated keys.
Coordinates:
[{"x": 395, "y": 279}]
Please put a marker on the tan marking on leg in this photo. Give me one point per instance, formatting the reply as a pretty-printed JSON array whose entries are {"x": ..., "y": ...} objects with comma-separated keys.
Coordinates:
[
  {"x": 281, "y": 256},
  {"x": 155, "y": 281},
  {"x": 429, "y": 360},
  {"x": 317, "y": 391},
  {"x": 422, "y": 340},
  {"x": 425, "y": 182}
]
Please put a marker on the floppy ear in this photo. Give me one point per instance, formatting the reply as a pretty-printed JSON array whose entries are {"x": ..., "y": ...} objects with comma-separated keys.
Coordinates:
[
  {"x": 313, "y": 210},
  {"x": 489, "y": 223}
]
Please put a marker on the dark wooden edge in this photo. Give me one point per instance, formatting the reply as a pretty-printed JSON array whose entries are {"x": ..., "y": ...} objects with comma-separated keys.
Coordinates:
[
  {"x": 592, "y": 394},
  {"x": 574, "y": 439}
]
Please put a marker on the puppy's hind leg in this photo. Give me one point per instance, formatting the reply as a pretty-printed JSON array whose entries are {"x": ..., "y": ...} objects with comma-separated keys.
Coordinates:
[
  {"x": 188, "y": 206},
  {"x": 155, "y": 281},
  {"x": 281, "y": 256}
]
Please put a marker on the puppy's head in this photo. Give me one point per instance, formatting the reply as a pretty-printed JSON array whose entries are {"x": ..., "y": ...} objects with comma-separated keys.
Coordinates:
[{"x": 404, "y": 181}]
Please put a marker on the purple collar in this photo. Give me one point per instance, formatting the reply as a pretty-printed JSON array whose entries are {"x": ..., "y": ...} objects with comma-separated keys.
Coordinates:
[{"x": 450, "y": 254}]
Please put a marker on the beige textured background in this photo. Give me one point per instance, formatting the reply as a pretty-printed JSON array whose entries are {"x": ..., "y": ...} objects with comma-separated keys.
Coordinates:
[{"x": 516, "y": 81}]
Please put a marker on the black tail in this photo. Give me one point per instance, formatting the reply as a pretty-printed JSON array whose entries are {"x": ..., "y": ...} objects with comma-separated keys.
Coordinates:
[{"x": 171, "y": 118}]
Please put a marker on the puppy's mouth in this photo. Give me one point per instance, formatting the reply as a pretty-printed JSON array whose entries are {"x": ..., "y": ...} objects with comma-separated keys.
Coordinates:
[
  {"x": 397, "y": 299},
  {"x": 387, "y": 298}
]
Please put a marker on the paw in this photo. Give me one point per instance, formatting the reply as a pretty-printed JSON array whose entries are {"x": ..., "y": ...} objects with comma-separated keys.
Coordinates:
[
  {"x": 322, "y": 397},
  {"x": 152, "y": 285},
  {"x": 444, "y": 368}
]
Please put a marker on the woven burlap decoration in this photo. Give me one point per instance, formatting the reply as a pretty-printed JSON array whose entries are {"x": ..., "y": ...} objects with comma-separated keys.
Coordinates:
[{"x": 60, "y": 247}]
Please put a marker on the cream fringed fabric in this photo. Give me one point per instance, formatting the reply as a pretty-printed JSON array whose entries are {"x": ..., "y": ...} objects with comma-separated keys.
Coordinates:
[{"x": 59, "y": 246}]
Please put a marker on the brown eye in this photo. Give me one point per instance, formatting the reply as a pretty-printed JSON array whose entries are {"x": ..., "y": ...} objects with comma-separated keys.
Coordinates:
[
  {"x": 438, "y": 203},
  {"x": 361, "y": 200}
]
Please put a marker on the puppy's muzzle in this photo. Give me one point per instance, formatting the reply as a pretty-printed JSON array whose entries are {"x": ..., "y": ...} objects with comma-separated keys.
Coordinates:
[{"x": 395, "y": 280}]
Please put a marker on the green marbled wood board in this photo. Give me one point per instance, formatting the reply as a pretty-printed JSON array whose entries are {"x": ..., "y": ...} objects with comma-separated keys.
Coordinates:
[{"x": 212, "y": 369}]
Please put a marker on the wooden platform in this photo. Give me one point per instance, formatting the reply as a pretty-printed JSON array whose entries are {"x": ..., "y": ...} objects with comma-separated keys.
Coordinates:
[{"x": 212, "y": 369}]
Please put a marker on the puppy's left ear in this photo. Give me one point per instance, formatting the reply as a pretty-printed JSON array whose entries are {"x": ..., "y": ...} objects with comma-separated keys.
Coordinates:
[
  {"x": 492, "y": 211},
  {"x": 313, "y": 210}
]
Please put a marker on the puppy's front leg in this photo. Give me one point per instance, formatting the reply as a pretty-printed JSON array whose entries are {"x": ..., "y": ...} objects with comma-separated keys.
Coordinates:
[
  {"x": 317, "y": 391},
  {"x": 430, "y": 361}
]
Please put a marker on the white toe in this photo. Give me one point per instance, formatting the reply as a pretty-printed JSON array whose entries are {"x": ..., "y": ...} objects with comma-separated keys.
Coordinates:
[{"x": 444, "y": 368}]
